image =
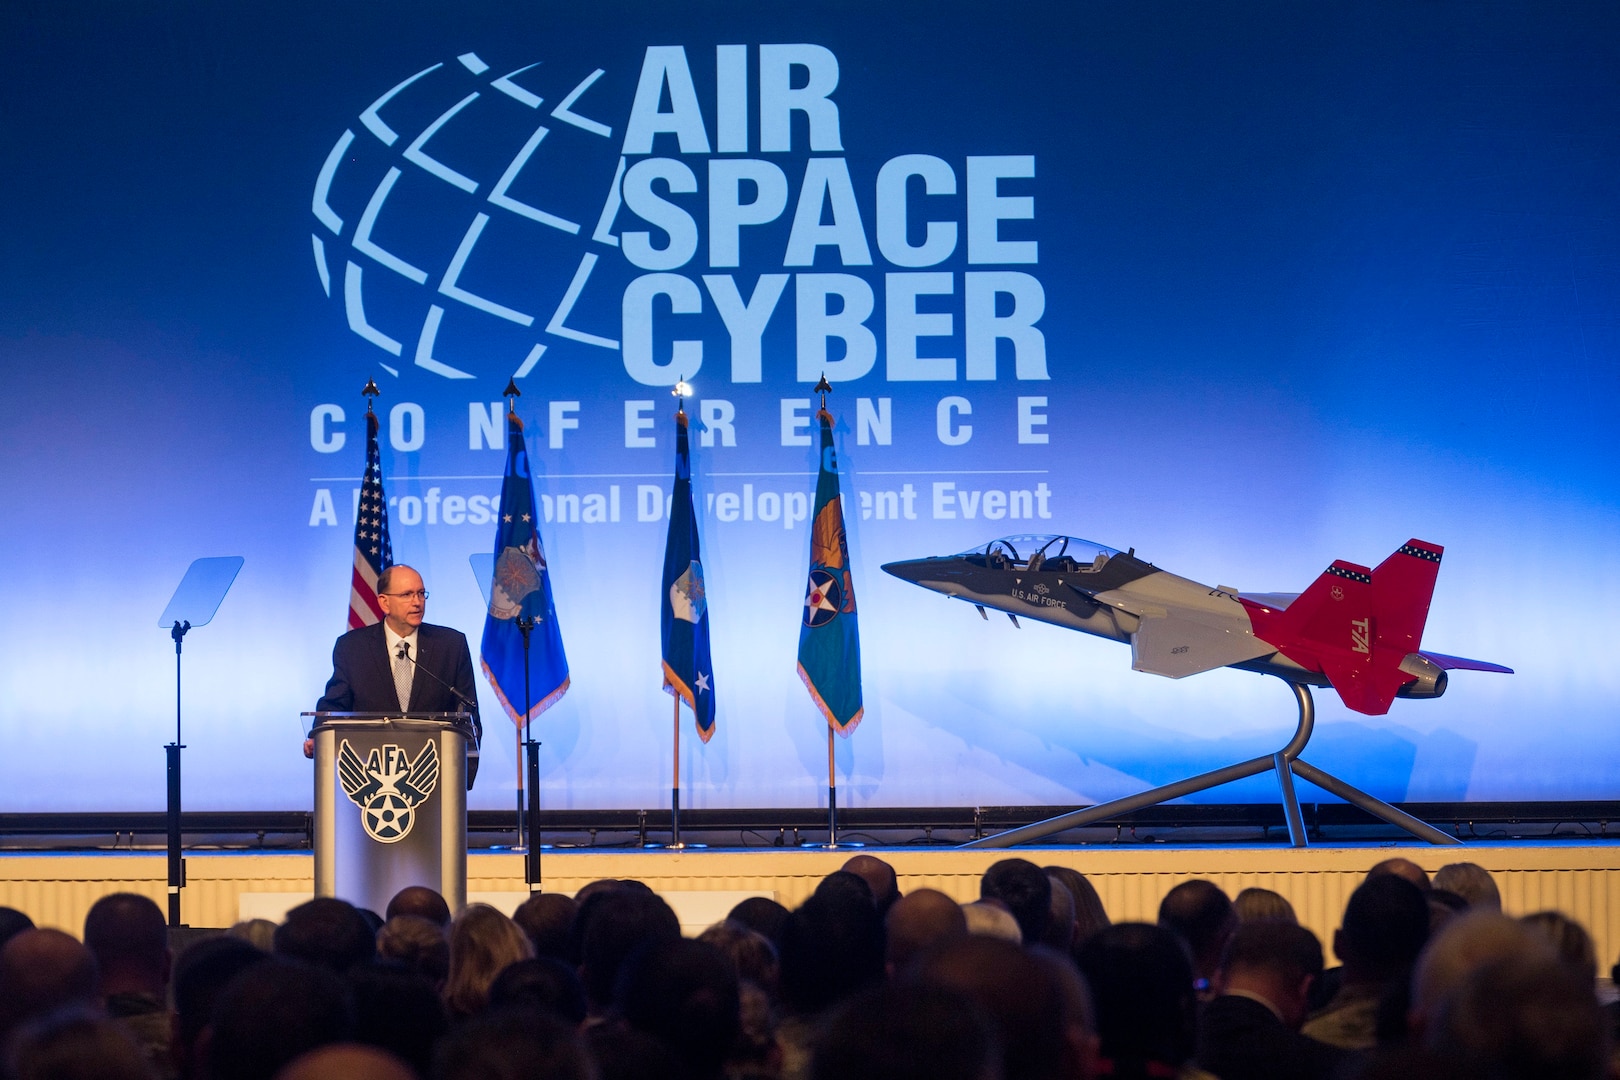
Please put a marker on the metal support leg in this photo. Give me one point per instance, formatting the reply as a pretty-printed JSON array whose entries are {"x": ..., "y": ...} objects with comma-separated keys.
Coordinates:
[
  {"x": 1284, "y": 763},
  {"x": 1376, "y": 807},
  {"x": 1074, "y": 819},
  {"x": 1290, "y": 802}
]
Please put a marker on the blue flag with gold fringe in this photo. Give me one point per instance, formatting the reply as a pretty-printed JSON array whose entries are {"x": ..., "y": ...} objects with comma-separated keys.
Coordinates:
[
  {"x": 829, "y": 641},
  {"x": 521, "y": 588},
  {"x": 687, "y": 670}
]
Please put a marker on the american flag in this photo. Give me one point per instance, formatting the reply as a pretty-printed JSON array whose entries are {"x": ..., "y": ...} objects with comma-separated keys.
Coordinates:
[{"x": 372, "y": 551}]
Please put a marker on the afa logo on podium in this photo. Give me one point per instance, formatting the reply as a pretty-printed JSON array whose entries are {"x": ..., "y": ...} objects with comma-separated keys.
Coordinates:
[{"x": 388, "y": 787}]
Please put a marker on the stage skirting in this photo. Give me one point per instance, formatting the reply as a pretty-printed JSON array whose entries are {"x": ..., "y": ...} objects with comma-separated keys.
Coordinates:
[{"x": 1579, "y": 879}]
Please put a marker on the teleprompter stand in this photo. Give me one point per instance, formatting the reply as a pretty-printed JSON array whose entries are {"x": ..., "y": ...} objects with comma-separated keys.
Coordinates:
[
  {"x": 1286, "y": 763},
  {"x": 193, "y": 604}
]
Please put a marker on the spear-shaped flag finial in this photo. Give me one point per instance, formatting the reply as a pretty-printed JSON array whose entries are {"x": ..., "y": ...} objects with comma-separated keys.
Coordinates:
[
  {"x": 370, "y": 392},
  {"x": 511, "y": 394},
  {"x": 823, "y": 388}
]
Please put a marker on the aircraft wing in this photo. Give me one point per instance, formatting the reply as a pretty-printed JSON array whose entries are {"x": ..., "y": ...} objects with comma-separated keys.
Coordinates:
[
  {"x": 1176, "y": 646},
  {"x": 1452, "y": 663}
]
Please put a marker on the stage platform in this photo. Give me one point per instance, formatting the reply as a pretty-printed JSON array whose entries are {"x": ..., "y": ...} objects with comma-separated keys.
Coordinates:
[{"x": 1580, "y": 878}]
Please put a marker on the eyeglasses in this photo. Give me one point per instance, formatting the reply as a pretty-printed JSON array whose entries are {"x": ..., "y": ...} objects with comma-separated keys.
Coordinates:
[{"x": 415, "y": 594}]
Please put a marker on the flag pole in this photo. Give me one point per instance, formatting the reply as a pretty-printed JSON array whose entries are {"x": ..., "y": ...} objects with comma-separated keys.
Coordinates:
[
  {"x": 675, "y": 787},
  {"x": 832, "y": 793},
  {"x": 511, "y": 394},
  {"x": 830, "y": 596}
]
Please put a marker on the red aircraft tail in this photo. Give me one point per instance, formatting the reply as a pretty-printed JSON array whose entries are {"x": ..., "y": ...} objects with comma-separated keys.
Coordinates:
[{"x": 1357, "y": 626}]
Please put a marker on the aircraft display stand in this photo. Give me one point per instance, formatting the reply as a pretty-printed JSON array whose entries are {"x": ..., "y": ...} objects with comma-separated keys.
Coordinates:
[
  {"x": 1286, "y": 763},
  {"x": 390, "y": 805}
]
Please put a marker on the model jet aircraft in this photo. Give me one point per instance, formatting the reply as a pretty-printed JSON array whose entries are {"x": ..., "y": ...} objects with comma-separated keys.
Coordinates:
[{"x": 1357, "y": 630}]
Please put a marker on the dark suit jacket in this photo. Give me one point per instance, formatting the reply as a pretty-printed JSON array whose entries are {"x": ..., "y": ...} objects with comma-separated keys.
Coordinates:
[
  {"x": 1240, "y": 1039},
  {"x": 363, "y": 675}
]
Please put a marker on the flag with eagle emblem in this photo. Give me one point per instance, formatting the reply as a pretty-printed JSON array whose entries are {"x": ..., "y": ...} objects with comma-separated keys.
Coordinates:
[
  {"x": 829, "y": 642},
  {"x": 522, "y": 587},
  {"x": 687, "y": 670}
]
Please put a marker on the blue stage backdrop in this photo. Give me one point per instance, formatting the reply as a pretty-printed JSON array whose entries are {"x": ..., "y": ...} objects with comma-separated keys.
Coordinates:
[{"x": 1247, "y": 287}]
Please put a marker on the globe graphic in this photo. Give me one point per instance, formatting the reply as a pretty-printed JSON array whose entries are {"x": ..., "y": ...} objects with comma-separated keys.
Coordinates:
[{"x": 461, "y": 219}]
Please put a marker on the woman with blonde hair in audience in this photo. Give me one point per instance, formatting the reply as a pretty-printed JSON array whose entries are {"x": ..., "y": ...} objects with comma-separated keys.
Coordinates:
[
  {"x": 1253, "y": 904},
  {"x": 482, "y": 943}
]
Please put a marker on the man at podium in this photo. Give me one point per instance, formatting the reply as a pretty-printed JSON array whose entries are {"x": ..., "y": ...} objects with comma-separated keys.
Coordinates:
[{"x": 403, "y": 663}]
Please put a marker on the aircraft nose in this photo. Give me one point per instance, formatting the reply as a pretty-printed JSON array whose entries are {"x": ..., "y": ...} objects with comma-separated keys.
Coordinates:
[{"x": 912, "y": 570}]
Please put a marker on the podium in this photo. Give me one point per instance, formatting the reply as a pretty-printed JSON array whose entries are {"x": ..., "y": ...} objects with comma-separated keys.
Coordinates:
[{"x": 390, "y": 805}]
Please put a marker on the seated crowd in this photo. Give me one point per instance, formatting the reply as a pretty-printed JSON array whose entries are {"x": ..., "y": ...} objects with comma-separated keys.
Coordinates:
[{"x": 1030, "y": 982}]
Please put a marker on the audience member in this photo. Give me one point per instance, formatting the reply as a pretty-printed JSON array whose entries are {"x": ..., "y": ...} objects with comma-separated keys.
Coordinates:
[
  {"x": 1035, "y": 1000},
  {"x": 347, "y": 1061},
  {"x": 201, "y": 974},
  {"x": 421, "y": 901},
  {"x": 755, "y": 1055},
  {"x": 1402, "y": 868},
  {"x": 760, "y": 914},
  {"x": 990, "y": 918},
  {"x": 327, "y": 932},
  {"x": 1089, "y": 914},
  {"x": 1472, "y": 882},
  {"x": 418, "y": 945},
  {"x": 42, "y": 970},
  {"x": 879, "y": 876},
  {"x": 919, "y": 921},
  {"x": 831, "y": 947},
  {"x": 623, "y": 1053},
  {"x": 1444, "y": 905},
  {"x": 1524, "y": 1018},
  {"x": 542, "y": 982},
  {"x": 620, "y": 921},
  {"x": 1202, "y": 915},
  {"x": 1466, "y": 944},
  {"x": 513, "y": 1044},
  {"x": 1060, "y": 917},
  {"x": 1025, "y": 889},
  {"x": 399, "y": 1011},
  {"x": 1147, "y": 1011},
  {"x": 842, "y": 883},
  {"x": 1569, "y": 940},
  {"x": 685, "y": 994},
  {"x": 1386, "y": 923},
  {"x": 906, "y": 1031},
  {"x": 1250, "y": 1030},
  {"x": 546, "y": 917},
  {"x": 129, "y": 937},
  {"x": 12, "y": 923},
  {"x": 482, "y": 942},
  {"x": 75, "y": 1043},
  {"x": 270, "y": 1014},
  {"x": 260, "y": 933},
  {"x": 751, "y": 955},
  {"x": 1253, "y": 903}
]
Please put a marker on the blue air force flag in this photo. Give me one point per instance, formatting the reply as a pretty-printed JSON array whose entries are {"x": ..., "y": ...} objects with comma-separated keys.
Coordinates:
[
  {"x": 687, "y": 671},
  {"x": 829, "y": 642},
  {"x": 521, "y": 587}
]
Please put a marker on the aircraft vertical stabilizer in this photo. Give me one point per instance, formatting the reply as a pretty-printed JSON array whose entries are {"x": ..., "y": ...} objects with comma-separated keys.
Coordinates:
[{"x": 1402, "y": 587}]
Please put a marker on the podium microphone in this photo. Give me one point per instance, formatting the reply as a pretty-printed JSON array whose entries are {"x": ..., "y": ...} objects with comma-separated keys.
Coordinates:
[{"x": 404, "y": 653}]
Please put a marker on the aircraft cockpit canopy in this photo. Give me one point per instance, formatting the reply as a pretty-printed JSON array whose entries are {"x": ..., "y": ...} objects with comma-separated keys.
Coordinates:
[{"x": 1064, "y": 554}]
